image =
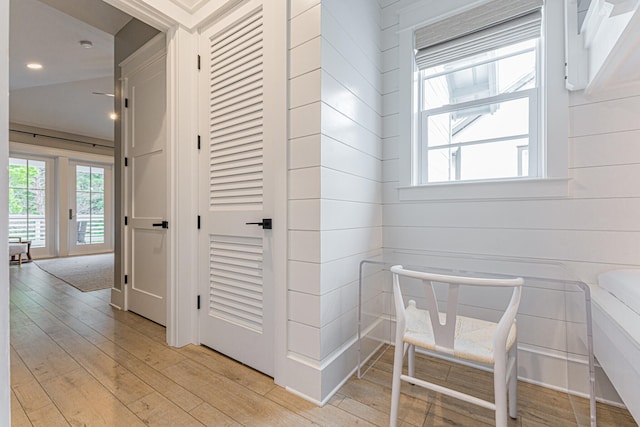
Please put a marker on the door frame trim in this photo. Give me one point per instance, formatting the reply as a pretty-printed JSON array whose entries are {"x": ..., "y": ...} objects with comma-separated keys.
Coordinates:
[
  {"x": 181, "y": 32},
  {"x": 179, "y": 320}
]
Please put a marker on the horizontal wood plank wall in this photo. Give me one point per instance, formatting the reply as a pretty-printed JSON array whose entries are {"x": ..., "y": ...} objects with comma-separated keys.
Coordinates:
[
  {"x": 335, "y": 176},
  {"x": 594, "y": 229}
]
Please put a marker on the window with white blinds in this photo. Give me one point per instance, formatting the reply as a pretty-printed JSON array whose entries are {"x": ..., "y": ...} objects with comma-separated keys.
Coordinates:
[
  {"x": 478, "y": 94},
  {"x": 482, "y": 28}
]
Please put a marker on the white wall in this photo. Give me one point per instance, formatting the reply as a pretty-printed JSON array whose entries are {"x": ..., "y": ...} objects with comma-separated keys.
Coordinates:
[
  {"x": 595, "y": 228},
  {"x": 335, "y": 181}
]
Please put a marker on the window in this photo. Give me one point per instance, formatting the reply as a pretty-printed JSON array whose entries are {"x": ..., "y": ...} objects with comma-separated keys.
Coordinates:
[
  {"x": 90, "y": 199},
  {"x": 479, "y": 116},
  {"x": 477, "y": 92},
  {"x": 28, "y": 200}
]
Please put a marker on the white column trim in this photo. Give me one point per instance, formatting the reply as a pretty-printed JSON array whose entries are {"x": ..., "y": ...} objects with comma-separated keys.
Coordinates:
[{"x": 182, "y": 111}]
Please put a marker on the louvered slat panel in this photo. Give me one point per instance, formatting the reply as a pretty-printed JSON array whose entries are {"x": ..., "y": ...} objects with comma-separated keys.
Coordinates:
[
  {"x": 223, "y": 164},
  {"x": 223, "y": 259},
  {"x": 249, "y": 103},
  {"x": 242, "y": 73},
  {"x": 228, "y": 39},
  {"x": 237, "y": 64},
  {"x": 229, "y": 180},
  {"x": 230, "y": 131},
  {"x": 239, "y": 286},
  {"x": 242, "y": 152},
  {"x": 238, "y": 173},
  {"x": 247, "y": 51},
  {"x": 242, "y": 107},
  {"x": 250, "y": 295},
  {"x": 249, "y": 94},
  {"x": 251, "y": 35},
  {"x": 241, "y": 119},
  {"x": 229, "y": 187},
  {"x": 238, "y": 148},
  {"x": 231, "y": 203},
  {"x": 235, "y": 88},
  {"x": 235, "y": 299},
  {"x": 247, "y": 143},
  {"x": 235, "y": 283},
  {"x": 251, "y": 90},
  {"x": 236, "y": 116},
  {"x": 237, "y": 138}
]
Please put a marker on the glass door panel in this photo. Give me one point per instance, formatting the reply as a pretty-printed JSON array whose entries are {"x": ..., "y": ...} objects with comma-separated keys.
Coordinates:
[
  {"x": 29, "y": 202},
  {"x": 90, "y": 222}
]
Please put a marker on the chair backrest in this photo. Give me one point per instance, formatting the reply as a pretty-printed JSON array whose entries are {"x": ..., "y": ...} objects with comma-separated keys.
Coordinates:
[{"x": 444, "y": 322}]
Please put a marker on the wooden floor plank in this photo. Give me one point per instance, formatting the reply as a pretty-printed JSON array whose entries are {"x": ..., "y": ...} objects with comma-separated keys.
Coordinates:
[
  {"x": 328, "y": 415},
  {"x": 212, "y": 417},
  {"x": 375, "y": 396},
  {"x": 228, "y": 368},
  {"x": 18, "y": 416},
  {"x": 48, "y": 416},
  {"x": 232, "y": 399},
  {"x": 84, "y": 401},
  {"x": 156, "y": 410},
  {"x": 367, "y": 413}
]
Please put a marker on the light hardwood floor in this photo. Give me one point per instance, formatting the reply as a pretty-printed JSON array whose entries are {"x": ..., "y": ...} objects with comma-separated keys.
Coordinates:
[{"x": 77, "y": 361}]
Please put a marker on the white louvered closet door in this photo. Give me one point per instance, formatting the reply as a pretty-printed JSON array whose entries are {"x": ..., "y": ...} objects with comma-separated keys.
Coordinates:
[{"x": 237, "y": 185}]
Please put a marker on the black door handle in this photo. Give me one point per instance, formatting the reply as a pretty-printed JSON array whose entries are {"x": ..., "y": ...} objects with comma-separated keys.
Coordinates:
[
  {"x": 266, "y": 223},
  {"x": 163, "y": 224}
]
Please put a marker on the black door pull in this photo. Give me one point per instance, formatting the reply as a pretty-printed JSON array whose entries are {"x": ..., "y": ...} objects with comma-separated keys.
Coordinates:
[
  {"x": 163, "y": 224},
  {"x": 265, "y": 224}
]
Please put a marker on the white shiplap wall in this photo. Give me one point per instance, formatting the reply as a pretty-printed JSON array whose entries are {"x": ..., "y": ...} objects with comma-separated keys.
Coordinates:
[
  {"x": 335, "y": 182},
  {"x": 595, "y": 228}
]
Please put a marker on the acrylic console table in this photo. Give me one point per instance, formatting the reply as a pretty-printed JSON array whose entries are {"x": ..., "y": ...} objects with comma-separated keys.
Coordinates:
[{"x": 554, "y": 318}]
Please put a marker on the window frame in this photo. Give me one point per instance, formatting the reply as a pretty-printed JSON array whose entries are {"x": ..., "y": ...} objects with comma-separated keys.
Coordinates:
[
  {"x": 552, "y": 180},
  {"x": 532, "y": 134}
]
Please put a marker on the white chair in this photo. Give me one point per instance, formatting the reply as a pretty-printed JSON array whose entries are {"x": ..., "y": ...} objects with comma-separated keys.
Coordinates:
[{"x": 457, "y": 336}]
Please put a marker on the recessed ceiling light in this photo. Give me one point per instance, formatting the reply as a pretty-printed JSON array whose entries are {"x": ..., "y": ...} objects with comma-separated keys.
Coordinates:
[
  {"x": 87, "y": 44},
  {"x": 113, "y": 116},
  {"x": 34, "y": 66}
]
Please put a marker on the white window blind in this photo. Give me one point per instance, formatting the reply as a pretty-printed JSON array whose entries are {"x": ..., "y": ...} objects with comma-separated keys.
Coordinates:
[{"x": 483, "y": 28}]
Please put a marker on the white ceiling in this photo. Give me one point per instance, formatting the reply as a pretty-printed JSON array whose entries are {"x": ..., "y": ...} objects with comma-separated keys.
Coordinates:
[{"x": 59, "y": 97}]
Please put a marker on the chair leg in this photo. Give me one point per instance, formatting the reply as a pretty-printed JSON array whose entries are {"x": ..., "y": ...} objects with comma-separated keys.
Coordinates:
[
  {"x": 513, "y": 383},
  {"x": 500, "y": 391},
  {"x": 411, "y": 358},
  {"x": 395, "y": 382},
  {"x": 19, "y": 259}
]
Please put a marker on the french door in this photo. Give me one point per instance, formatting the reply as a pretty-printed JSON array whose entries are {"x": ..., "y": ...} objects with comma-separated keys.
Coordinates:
[
  {"x": 90, "y": 210},
  {"x": 31, "y": 206}
]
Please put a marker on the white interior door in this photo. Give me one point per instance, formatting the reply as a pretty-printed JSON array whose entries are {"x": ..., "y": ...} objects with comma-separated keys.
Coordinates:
[
  {"x": 242, "y": 109},
  {"x": 90, "y": 211},
  {"x": 146, "y": 140}
]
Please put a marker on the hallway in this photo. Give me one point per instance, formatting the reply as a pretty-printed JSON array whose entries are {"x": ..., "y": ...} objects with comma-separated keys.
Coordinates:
[{"x": 77, "y": 361}]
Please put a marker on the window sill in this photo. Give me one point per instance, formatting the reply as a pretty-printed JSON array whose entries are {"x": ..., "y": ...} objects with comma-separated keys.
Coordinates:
[{"x": 514, "y": 189}]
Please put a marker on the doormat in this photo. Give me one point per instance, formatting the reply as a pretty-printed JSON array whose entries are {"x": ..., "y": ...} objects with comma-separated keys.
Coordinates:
[{"x": 86, "y": 273}]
